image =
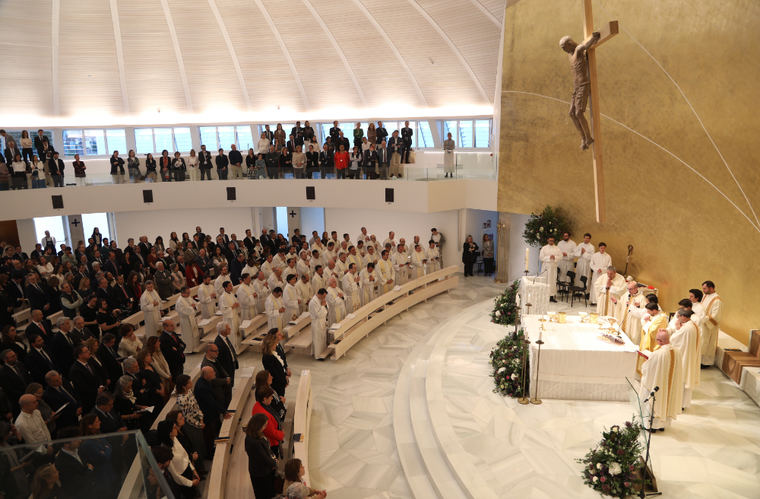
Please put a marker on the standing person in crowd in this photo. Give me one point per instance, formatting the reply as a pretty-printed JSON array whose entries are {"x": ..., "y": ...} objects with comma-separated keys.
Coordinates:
[
  {"x": 26, "y": 146},
  {"x": 117, "y": 168},
  {"x": 279, "y": 137},
  {"x": 711, "y": 306},
  {"x": 150, "y": 168},
  {"x": 358, "y": 135},
  {"x": 262, "y": 464},
  {"x": 79, "y": 170},
  {"x": 326, "y": 161},
  {"x": 406, "y": 140},
  {"x": 204, "y": 163},
  {"x": 133, "y": 166},
  {"x": 56, "y": 167},
  {"x": 192, "y": 165},
  {"x": 178, "y": 167},
  {"x": 381, "y": 132},
  {"x": 188, "y": 406},
  {"x": 273, "y": 432},
  {"x": 449, "y": 160},
  {"x": 236, "y": 162},
  {"x": 489, "y": 264},
  {"x": 262, "y": 146},
  {"x": 299, "y": 163},
  {"x": 165, "y": 166},
  {"x": 274, "y": 361},
  {"x": 272, "y": 160},
  {"x": 342, "y": 160},
  {"x": 396, "y": 148},
  {"x": 469, "y": 255}
]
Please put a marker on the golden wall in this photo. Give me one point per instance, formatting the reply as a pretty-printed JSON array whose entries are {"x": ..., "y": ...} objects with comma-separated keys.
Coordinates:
[{"x": 671, "y": 192}]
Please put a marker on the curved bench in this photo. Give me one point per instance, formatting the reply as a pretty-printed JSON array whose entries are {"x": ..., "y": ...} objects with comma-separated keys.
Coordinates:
[
  {"x": 386, "y": 306},
  {"x": 301, "y": 421}
]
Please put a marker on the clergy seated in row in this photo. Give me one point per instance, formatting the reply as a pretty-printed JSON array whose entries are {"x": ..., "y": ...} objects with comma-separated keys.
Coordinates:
[
  {"x": 609, "y": 288},
  {"x": 662, "y": 375},
  {"x": 550, "y": 255}
]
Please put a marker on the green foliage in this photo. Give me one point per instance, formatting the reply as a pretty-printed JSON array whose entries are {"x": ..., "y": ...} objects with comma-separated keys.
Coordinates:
[
  {"x": 505, "y": 306},
  {"x": 506, "y": 362},
  {"x": 551, "y": 222},
  {"x": 611, "y": 468}
]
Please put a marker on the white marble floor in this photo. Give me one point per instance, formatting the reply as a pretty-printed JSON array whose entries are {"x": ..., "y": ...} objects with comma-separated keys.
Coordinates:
[{"x": 514, "y": 450}]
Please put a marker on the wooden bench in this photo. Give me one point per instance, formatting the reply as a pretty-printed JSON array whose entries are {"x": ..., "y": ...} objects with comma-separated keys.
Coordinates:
[
  {"x": 375, "y": 313},
  {"x": 301, "y": 421},
  {"x": 22, "y": 318},
  {"x": 171, "y": 404},
  {"x": 298, "y": 336}
]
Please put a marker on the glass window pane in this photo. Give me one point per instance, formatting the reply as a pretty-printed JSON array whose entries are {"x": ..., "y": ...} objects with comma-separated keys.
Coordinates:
[
  {"x": 182, "y": 139},
  {"x": 92, "y": 220},
  {"x": 465, "y": 133},
  {"x": 95, "y": 142},
  {"x": 450, "y": 127},
  {"x": 245, "y": 138},
  {"x": 424, "y": 135},
  {"x": 72, "y": 142},
  {"x": 117, "y": 141},
  {"x": 226, "y": 137},
  {"x": 54, "y": 225},
  {"x": 208, "y": 138},
  {"x": 482, "y": 133},
  {"x": 144, "y": 140},
  {"x": 325, "y": 130},
  {"x": 163, "y": 140}
]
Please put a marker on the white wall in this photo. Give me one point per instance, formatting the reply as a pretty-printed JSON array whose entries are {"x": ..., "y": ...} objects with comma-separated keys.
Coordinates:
[
  {"x": 517, "y": 249},
  {"x": 312, "y": 219}
]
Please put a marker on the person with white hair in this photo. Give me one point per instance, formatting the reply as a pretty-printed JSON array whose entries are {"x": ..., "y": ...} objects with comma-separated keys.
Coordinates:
[
  {"x": 291, "y": 298},
  {"x": 230, "y": 308},
  {"x": 368, "y": 280},
  {"x": 207, "y": 297},
  {"x": 609, "y": 288},
  {"x": 29, "y": 423},
  {"x": 150, "y": 304},
  {"x": 187, "y": 309},
  {"x": 350, "y": 285},
  {"x": 275, "y": 309},
  {"x": 260, "y": 291},
  {"x": 318, "y": 313},
  {"x": 335, "y": 302},
  {"x": 662, "y": 375},
  {"x": 245, "y": 296}
]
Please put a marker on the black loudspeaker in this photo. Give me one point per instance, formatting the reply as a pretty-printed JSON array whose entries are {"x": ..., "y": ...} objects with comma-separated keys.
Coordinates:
[
  {"x": 310, "y": 193},
  {"x": 57, "y": 202},
  {"x": 147, "y": 196},
  {"x": 231, "y": 194},
  {"x": 389, "y": 195}
]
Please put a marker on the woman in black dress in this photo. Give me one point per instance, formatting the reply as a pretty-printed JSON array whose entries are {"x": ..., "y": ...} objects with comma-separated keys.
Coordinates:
[
  {"x": 262, "y": 465},
  {"x": 274, "y": 361},
  {"x": 469, "y": 255}
]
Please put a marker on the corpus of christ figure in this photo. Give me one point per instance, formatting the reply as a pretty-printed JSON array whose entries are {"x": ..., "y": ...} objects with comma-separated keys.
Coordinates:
[{"x": 579, "y": 65}]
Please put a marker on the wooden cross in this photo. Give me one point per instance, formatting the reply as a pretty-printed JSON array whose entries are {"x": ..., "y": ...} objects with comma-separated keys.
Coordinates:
[{"x": 607, "y": 32}]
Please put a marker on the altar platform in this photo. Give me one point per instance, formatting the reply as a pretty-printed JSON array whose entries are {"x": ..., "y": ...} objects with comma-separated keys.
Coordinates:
[{"x": 577, "y": 362}]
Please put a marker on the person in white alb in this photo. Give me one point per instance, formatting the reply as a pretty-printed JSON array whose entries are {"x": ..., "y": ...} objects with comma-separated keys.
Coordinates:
[
  {"x": 351, "y": 291},
  {"x": 304, "y": 292},
  {"x": 207, "y": 297},
  {"x": 711, "y": 324},
  {"x": 291, "y": 298},
  {"x": 319, "y": 279},
  {"x": 632, "y": 304},
  {"x": 267, "y": 266},
  {"x": 386, "y": 272},
  {"x": 150, "y": 304},
  {"x": 433, "y": 257},
  {"x": 29, "y": 423},
  {"x": 550, "y": 255},
  {"x": 391, "y": 240},
  {"x": 684, "y": 337},
  {"x": 260, "y": 291},
  {"x": 401, "y": 264},
  {"x": 245, "y": 296},
  {"x": 369, "y": 280},
  {"x": 302, "y": 266},
  {"x": 609, "y": 288},
  {"x": 353, "y": 257},
  {"x": 567, "y": 246},
  {"x": 336, "y": 305},
  {"x": 583, "y": 253},
  {"x": 695, "y": 297},
  {"x": 419, "y": 262},
  {"x": 318, "y": 314},
  {"x": 275, "y": 309},
  {"x": 230, "y": 308},
  {"x": 598, "y": 263},
  {"x": 663, "y": 370},
  {"x": 186, "y": 310},
  {"x": 275, "y": 280},
  {"x": 224, "y": 276}
]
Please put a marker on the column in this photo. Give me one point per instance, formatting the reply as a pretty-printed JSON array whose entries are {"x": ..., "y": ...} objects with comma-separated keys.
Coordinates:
[{"x": 503, "y": 228}]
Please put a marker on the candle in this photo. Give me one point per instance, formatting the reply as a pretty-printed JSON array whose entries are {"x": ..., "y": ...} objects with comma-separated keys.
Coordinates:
[
  {"x": 527, "y": 259},
  {"x": 541, "y": 335}
]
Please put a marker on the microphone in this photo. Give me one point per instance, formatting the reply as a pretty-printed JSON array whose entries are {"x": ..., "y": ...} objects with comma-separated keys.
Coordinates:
[{"x": 656, "y": 388}]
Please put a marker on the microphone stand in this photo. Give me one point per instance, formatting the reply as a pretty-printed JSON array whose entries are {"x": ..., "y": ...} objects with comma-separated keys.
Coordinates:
[{"x": 644, "y": 471}]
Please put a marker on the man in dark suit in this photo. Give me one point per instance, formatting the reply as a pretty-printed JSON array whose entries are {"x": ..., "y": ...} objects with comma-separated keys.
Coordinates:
[
  {"x": 210, "y": 407},
  {"x": 380, "y": 132},
  {"x": 38, "y": 361},
  {"x": 35, "y": 294},
  {"x": 227, "y": 355},
  {"x": 62, "y": 346},
  {"x": 39, "y": 325},
  {"x": 78, "y": 332},
  {"x": 75, "y": 476},
  {"x": 108, "y": 357},
  {"x": 383, "y": 159},
  {"x": 39, "y": 142},
  {"x": 297, "y": 133},
  {"x": 56, "y": 167},
  {"x": 249, "y": 241},
  {"x": 118, "y": 296},
  {"x": 406, "y": 140},
  {"x": 57, "y": 394},
  {"x": 110, "y": 421},
  {"x": 173, "y": 348},
  {"x": 335, "y": 133},
  {"x": 222, "y": 382},
  {"x": 13, "y": 377},
  {"x": 86, "y": 382}
]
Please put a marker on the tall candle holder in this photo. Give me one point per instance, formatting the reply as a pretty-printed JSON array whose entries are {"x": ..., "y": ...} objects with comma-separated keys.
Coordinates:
[
  {"x": 535, "y": 400},
  {"x": 524, "y": 400}
]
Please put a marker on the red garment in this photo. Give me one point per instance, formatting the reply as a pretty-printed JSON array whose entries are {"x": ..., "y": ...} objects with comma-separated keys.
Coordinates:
[
  {"x": 274, "y": 435},
  {"x": 192, "y": 280},
  {"x": 341, "y": 160}
]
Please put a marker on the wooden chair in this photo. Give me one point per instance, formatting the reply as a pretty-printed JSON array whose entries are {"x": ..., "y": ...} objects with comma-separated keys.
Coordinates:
[{"x": 578, "y": 291}]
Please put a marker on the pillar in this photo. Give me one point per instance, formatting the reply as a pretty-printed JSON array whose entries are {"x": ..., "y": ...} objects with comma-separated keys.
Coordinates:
[{"x": 503, "y": 229}]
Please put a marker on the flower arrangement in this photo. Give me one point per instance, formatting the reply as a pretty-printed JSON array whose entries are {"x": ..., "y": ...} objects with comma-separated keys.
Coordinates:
[
  {"x": 612, "y": 467},
  {"x": 551, "y": 222},
  {"x": 506, "y": 361},
  {"x": 505, "y": 306}
]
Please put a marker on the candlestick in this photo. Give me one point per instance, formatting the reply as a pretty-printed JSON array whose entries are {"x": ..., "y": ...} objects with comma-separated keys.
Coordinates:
[{"x": 527, "y": 259}]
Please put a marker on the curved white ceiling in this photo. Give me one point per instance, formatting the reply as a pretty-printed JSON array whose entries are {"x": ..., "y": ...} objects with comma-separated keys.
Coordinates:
[{"x": 130, "y": 58}]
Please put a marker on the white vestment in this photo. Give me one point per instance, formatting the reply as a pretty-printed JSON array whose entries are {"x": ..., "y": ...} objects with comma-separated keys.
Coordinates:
[
  {"x": 549, "y": 265},
  {"x": 419, "y": 259},
  {"x": 368, "y": 281},
  {"x": 275, "y": 318},
  {"x": 318, "y": 314},
  {"x": 401, "y": 266},
  {"x": 219, "y": 283},
  {"x": 290, "y": 297},
  {"x": 186, "y": 310},
  {"x": 230, "y": 316},
  {"x": 318, "y": 282},
  {"x": 274, "y": 282},
  {"x": 710, "y": 327},
  {"x": 583, "y": 266},
  {"x": 260, "y": 287},
  {"x": 303, "y": 268},
  {"x": 151, "y": 311},
  {"x": 662, "y": 369},
  {"x": 336, "y": 306},
  {"x": 632, "y": 314},
  {"x": 386, "y": 272},
  {"x": 433, "y": 259},
  {"x": 598, "y": 264},
  {"x": 247, "y": 302},
  {"x": 304, "y": 294},
  {"x": 208, "y": 302},
  {"x": 351, "y": 292},
  {"x": 604, "y": 303},
  {"x": 566, "y": 263},
  {"x": 686, "y": 341},
  {"x": 266, "y": 268}
]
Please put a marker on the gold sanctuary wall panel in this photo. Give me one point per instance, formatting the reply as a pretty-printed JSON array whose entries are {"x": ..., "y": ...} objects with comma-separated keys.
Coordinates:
[{"x": 684, "y": 193}]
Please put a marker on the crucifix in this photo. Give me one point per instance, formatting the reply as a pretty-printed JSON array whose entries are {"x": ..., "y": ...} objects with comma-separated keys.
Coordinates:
[
  {"x": 583, "y": 62},
  {"x": 75, "y": 222}
]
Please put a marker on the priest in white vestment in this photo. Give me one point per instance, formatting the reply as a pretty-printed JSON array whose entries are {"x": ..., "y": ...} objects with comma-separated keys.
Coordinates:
[
  {"x": 318, "y": 314},
  {"x": 368, "y": 280},
  {"x": 711, "y": 324},
  {"x": 319, "y": 279},
  {"x": 150, "y": 304},
  {"x": 583, "y": 252},
  {"x": 598, "y": 264},
  {"x": 371, "y": 256},
  {"x": 275, "y": 310},
  {"x": 550, "y": 255},
  {"x": 662, "y": 370},
  {"x": 291, "y": 299},
  {"x": 632, "y": 304},
  {"x": 353, "y": 257},
  {"x": 419, "y": 261},
  {"x": 229, "y": 307},
  {"x": 304, "y": 292},
  {"x": 351, "y": 291},
  {"x": 207, "y": 297},
  {"x": 267, "y": 266},
  {"x": 260, "y": 291},
  {"x": 401, "y": 264},
  {"x": 224, "y": 276},
  {"x": 303, "y": 264},
  {"x": 653, "y": 321},
  {"x": 246, "y": 299},
  {"x": 695, "y": 297},
  {"x": 336, "y": 306},
  {"x": 609, "y": 288},
  {"x": 685, "y": 339},
  {"x": 433, "y": 257},
  {"x": 187, "y": 309},
  {"x": 275, "y": 280},
  {"x": 386, "y": 272},
  {"x": 567, "y": 247}
]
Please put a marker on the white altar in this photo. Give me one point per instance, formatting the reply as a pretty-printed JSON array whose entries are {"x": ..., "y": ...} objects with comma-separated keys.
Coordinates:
[
  {"x": 534, "y": 290},
  {"x": 577, "y": 362}
]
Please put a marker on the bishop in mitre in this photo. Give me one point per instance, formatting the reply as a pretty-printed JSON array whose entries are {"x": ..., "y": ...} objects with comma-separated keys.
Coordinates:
[
  {"x": 663, "y": 371},
  {"x": 653, "y": 321},
  {"x": 631, "y": 306},
  {"x": 550, "y": 255},
  {"x": 609, "y": 288},
  {"x": 685, "y": 339}
]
